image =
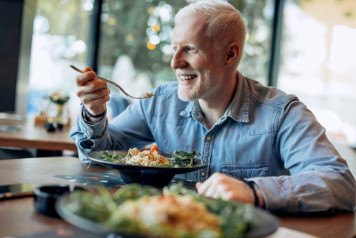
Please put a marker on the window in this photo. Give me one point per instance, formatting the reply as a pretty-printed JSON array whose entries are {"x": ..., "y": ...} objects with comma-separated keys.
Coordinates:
[
  {"x": 135, "y": 41},
  {"x": 60, "y": 36},
  {"x": 134, "y": 44},
  {"x": 317, "y": 61},
  {"x": 316, "y": 55}
]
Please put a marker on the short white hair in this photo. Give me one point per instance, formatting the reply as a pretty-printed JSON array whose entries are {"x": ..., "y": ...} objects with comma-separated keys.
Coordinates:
[{"x": 224, "y": 21}]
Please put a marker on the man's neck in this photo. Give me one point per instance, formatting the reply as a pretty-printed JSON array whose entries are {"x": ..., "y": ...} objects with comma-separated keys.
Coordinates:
[{"x": 215, "y": 107}]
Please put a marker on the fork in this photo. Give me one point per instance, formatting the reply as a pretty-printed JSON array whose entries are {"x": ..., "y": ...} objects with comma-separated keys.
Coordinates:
[{"x": 146, "y": 95}]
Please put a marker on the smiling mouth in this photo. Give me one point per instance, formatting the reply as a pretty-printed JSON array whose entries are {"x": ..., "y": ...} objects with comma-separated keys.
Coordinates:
[{"x": 186, "y": 77}]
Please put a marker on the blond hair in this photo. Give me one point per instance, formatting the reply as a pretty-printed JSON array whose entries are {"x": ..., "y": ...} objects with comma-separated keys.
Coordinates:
[{"x": 224, "y": 22}]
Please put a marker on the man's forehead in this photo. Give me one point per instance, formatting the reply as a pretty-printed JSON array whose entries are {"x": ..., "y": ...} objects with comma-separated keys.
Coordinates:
[
  {"x": 191, "y": 19},
  {"x": 189, "y": 28}
]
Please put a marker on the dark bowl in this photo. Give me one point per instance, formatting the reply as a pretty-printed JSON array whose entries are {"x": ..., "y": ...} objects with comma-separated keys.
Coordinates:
[
  {"x": 145, "y": 175},
  {"x": 46, "y": 197}
]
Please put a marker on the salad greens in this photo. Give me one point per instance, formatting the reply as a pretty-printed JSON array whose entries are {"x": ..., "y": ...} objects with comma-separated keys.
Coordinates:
[
  {"x": 98, "y": 206},
  {"x": 113, "y": 156},
  {"x": 182, "y": 159},
  {"x": 102, "y": 207}
]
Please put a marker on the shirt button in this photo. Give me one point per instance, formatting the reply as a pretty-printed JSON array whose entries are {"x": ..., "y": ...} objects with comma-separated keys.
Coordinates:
[
  {"x": 203, "y": 174},
  {"x": 208, "y": 138},
  {"x": 89, "y": 133}
]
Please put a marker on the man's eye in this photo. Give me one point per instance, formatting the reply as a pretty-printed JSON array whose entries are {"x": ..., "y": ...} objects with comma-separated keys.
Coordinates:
[{"x": 190, "y": 49}]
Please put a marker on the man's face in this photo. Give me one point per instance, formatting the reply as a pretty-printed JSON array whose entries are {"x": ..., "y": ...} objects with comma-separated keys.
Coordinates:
[{"x": 195, "y": 61}]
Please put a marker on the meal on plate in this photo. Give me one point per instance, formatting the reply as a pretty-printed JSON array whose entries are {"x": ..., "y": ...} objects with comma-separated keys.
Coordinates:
[
  {"x": 152, "y": 157},
  {"x": 176, "y": 212},
  {"x": 169, "y": 213}
]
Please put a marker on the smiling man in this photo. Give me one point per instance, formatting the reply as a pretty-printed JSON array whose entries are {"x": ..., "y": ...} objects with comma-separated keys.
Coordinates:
[
  {"x": 205, "y": 68},
  {"x": 261, "y": 145}
]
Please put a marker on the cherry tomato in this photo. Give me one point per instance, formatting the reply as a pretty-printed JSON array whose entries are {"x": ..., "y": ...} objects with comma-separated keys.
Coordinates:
[{"x": 154, "y": 148}]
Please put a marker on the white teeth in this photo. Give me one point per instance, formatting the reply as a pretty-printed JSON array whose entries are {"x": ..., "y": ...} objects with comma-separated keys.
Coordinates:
[
  {"x": 185, "y": 74},
  {"x": 186, "y": 77}
]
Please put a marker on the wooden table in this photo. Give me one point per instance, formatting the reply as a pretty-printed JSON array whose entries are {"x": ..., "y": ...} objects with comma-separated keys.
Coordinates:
[
  {"x": 24, "y": 134},
  {"x": 18, "y": 217}
]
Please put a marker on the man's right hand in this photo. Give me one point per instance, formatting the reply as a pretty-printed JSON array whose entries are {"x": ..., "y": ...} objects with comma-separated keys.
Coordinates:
[
  {"x": 92, "y": 92},
  {"x": 228, "y": 188}
]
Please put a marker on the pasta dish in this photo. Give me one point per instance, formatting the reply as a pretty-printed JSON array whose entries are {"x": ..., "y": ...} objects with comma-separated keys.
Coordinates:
[
  {"x": 146, "y": 158},
  {"x": 151, "y": 158}
]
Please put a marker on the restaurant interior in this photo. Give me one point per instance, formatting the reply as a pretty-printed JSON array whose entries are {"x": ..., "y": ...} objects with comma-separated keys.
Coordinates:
[{"x": 304, "y": 47}]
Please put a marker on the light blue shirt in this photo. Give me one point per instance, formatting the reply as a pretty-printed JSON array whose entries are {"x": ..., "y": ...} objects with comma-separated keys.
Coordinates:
[{"x": 264, "y": 135}]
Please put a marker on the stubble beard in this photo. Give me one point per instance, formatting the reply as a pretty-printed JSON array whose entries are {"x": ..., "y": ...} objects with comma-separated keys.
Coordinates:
[
  {"x": 200, "y": 89},
  {"x": 197, "y": 91}
]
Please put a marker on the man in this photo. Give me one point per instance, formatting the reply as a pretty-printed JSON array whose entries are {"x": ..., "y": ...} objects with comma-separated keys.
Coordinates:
[{"x": 243, "y": 130}]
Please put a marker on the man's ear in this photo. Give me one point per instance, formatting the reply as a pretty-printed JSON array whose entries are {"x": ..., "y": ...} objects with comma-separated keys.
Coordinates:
[{"x": 233, "y": 51}]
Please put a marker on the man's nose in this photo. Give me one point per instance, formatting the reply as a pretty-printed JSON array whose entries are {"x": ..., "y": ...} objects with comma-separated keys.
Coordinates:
[{"x": 178, "y": 61}]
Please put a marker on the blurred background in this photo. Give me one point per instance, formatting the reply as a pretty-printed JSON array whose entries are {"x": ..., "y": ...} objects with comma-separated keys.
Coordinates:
[{"x": 304, "y": 47}]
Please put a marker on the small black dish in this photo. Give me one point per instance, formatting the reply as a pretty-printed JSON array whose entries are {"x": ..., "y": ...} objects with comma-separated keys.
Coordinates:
[{"x": 46, "y": 197}]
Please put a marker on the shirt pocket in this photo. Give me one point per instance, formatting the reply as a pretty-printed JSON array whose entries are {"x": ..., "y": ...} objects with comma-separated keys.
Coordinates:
[{"x": 245, "y": 171}]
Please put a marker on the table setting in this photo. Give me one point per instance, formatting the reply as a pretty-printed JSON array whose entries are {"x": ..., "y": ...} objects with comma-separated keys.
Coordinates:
[{"x": 21, "y": 218}]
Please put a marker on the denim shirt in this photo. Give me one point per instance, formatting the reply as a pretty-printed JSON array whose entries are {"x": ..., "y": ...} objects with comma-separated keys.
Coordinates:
[{"x": 265, "y": 135}]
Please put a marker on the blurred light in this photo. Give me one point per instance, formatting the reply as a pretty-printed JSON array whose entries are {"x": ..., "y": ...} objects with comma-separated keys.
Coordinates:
[
  {"x": 104, "y": 17},
  {"x": 151, "y": 46},
  {"x": 259, "y": 50},
  {"x": 129, "y": 39},
  {"x": 111, "y": 21},
  {"x": 165, "y": 12},
  {"x": 79, "y": 46},
  {"x": 155, "y": 39},
  {"x": 164, "y": 36},
  {"x": 149, "y": 31},
  {"x": 156, "y": 27},
  {"x": 262, "y": 34},
  {"x": 167, "y": 49},
  {"x": 88, "y": 6},
  {"x": 41, "y": 24},
  {"x": 151, "y": 21},
  {"x": 150, "y": 10}
]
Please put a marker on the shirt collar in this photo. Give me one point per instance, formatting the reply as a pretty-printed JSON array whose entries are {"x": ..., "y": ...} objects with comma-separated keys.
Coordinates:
[
  {"x": 191, "y": 107},
  {"x": 238, "y": 110}
]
